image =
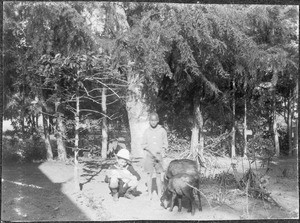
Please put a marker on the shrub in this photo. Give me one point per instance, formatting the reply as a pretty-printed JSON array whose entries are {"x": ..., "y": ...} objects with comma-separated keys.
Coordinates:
[
  {"x": 176, "y": 145},
  {"x": 35, "y": 149},
  {"x": 11, "y": 150},
  {"x": 16, "y": 149},
  {"x": 261, "y": 145}
]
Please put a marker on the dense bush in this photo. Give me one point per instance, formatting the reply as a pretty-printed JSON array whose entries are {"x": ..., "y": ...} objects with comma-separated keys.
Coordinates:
[
  {"x": 11, "y": 150},
  {"x": 177, "y": 144},
  {"x": 261, "y": 145},
  {"x": 15, "y": 149}
]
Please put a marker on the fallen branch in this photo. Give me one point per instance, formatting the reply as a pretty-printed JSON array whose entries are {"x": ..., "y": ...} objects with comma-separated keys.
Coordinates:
[{"x": 254, "y": 187}]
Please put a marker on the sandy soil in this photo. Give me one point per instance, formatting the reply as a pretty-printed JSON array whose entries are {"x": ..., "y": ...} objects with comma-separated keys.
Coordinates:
[{"x": 48, "y": 191}]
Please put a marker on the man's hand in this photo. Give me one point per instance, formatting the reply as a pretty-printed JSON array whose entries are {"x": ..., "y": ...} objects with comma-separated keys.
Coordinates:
[{"x": 153, "y": 156}]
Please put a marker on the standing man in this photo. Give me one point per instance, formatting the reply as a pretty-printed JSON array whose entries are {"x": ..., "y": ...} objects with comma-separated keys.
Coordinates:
[{"x": 154, "y": 143}]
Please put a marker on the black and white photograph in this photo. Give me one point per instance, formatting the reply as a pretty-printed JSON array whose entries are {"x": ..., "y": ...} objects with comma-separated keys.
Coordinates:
[{"x": 159, "y": 111}]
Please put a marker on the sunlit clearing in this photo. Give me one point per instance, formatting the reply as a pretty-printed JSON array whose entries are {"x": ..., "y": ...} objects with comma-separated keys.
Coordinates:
[
  {"x": 55, "y": 174},
  {"x": 63, "y": 176}
]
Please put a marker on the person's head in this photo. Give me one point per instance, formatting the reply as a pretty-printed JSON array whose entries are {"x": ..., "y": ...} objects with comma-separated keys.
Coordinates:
[
  {"x": 153, "y": 119},
  {"x": 123, "y": 157}
]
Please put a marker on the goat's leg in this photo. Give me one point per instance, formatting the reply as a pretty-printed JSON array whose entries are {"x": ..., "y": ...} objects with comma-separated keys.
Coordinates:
[
  {"x": 179, "y": 203},
  {"x": 174, "y": 195},
  {"x": 199, "y": 198},
  {"x": 191, "y": 198}
]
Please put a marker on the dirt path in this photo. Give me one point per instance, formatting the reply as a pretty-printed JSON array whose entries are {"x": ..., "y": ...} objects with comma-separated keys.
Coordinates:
[
  {"x": 46, "y": 191},
  {"x": 143, "y": 208}
]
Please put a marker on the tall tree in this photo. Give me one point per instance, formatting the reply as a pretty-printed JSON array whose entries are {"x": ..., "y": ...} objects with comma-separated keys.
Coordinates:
[
  {"x": 104, "y": 124},
  {"x": 274, "y": 29},
  {"x": 61, "y": 29}
]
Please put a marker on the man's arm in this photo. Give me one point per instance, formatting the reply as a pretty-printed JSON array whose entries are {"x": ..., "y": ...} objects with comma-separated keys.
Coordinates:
[
  {"x": 134, "y": 172},
  {"x": 144, "y": 143},
  {"x": 109, "y": 173}
]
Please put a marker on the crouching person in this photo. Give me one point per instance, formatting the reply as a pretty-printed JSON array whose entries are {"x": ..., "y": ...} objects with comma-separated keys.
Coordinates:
[{"x": 122, "y": 177}]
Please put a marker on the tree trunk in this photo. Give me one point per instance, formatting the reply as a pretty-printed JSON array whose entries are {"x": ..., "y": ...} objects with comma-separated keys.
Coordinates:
[
  {"x": 245, "y": 128},
  {"x": 104, "y": 125},
  {"x": 60, "y": 130},
  {"x": 45, "y": 125},
  {"x": 37, "y": 120},
  {"x": 60, "y": 133},
  {"x": 138, "y": 112},
  {"x": 276, "y": 136},
  {"x": 233, "y": 124},
  {"x": 23, "y": 114},
  {"x": 289, "y": 121},
  {"x": 23, "y": 122},
  {"x": 296, "y": 136},
  {"x": 292, "y": 125},
  {"x": 197, "y": 139},
  {"x": 275, "y": 132},
  {"x": 138, "y": 122},
  {"x": 201, "y": 139},
  {"x": 76, "y": 143},
  {"x": 126, "y": 128},
  {"x": 77, "y": 123},
  {"x": 51, "y": 125},
  {"x": 289, "y": 126},
  {"x": 285, "y": 111},
  {"x": 33, "y": 126},
  {"x": 47, "y": 138}
]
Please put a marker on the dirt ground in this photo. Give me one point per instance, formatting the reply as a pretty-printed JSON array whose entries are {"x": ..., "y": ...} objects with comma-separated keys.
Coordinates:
[{"x": 48, "y": 191}]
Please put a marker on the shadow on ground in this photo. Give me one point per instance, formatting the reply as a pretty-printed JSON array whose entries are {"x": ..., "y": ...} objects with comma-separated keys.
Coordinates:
[{"x": 29, "y": 195}]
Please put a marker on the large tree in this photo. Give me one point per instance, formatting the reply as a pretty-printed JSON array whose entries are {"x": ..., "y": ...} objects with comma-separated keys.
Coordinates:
[
  {"x": 37, "y": 29},
  {"x": 203, "y": 58}
]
